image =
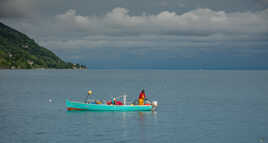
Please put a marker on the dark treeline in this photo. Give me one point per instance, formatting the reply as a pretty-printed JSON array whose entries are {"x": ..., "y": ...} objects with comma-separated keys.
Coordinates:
[{"x": 18, "y": 51}]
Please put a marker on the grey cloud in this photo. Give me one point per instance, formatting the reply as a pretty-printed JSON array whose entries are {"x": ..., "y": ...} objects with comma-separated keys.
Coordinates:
[
  {"x": 117, "y": 28},
  {"x": 47, "y": 8},
  {"x": 263, "y": 2},
  {"x": 118, "y": 22},
  {"x": 72, "y": 19},
  {"x": 195, "y": 22},
  {"x": 16, "y": 8}
]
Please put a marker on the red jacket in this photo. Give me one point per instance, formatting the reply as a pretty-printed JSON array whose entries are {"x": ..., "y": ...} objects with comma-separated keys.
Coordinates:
[{"x": 142, "y": 96}]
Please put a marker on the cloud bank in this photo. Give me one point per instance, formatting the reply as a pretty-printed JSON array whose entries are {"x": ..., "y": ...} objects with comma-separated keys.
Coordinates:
[
  {"x": 198, "y": 37},
  {"x": 200, "y": 28},
  {"x": 195, "y": 22},
  {"x": 15, "y": 8}
]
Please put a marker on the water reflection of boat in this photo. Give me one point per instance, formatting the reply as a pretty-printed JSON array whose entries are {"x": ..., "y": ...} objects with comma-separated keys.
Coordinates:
[{"x": 75, "y": 105}]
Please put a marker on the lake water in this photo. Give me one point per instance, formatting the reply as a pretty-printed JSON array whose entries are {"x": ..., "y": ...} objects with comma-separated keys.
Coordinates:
[{"x": 195, "y": 106}]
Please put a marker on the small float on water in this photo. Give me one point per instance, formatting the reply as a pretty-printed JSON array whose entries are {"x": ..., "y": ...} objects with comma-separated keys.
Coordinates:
[{"x": 96, "y": 105}]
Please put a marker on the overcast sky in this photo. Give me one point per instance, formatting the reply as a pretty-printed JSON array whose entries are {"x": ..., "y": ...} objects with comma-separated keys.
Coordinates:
[{"x": 147, "y": 33}]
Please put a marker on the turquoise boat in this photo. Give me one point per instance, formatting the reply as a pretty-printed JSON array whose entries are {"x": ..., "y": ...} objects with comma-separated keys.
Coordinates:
[{"x": 76, "y": 105}]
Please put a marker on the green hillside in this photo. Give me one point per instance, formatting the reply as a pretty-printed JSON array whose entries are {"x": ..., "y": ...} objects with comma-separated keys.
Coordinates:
[{"x": 18, "y": 51}]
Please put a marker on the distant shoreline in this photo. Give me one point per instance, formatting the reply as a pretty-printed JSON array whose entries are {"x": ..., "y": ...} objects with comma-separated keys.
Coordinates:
[
  {"x": 142, "y": 69},
  {"x": 44, "y": 69}
]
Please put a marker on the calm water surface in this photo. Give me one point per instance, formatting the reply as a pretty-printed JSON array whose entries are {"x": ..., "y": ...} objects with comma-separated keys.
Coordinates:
[{"x": 207, "y": 106}]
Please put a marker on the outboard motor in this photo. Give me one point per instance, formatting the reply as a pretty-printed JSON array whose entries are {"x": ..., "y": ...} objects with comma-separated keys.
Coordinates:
[{"x": 154, "y": 104}]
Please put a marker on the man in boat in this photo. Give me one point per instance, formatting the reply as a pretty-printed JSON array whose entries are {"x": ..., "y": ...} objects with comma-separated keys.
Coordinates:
[
  {"x": 114, "y": 100},
  {"x": 89, "y": 92},
  {"x": 142, "y": 97}
]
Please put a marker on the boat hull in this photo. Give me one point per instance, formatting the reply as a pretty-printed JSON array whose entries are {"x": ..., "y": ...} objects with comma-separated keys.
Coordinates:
[{"x": 74, "y": 105}]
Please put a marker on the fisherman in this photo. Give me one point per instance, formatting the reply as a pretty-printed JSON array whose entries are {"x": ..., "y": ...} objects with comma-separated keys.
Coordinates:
[
  {"x": 142, "y": 97},
  {"x": 89, "y": 92},
  {"x": 114, "y": 101}
]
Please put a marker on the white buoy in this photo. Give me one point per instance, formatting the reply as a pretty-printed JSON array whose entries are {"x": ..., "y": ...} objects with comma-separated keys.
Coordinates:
[
  {"x": 50, "y": 100},
  {"x": 154, "y": 104}
]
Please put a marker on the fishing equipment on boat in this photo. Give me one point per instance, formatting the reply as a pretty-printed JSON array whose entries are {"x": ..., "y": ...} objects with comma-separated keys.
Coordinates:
[
  {"x": 109, "y": 102},
  {"x": 98, "y": 102},
  {"x": 146, "y": 101},
  {"x": 124, "y": 99},
  {"x": 115, "y": 103}
]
